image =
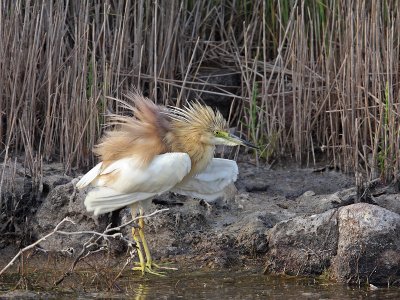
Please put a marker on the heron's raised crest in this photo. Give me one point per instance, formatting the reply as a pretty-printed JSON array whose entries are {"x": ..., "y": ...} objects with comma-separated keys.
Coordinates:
[{"x": 198, "y": 115}]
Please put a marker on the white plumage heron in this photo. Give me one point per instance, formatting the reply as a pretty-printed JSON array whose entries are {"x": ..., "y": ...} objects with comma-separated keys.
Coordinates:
[{"x": 158, "y": 150}]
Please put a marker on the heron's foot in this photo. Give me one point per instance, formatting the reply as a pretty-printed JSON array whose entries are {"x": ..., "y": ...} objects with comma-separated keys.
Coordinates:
[
  {"x": 164, "y": 266},
  {"x": 207, "y": 205},
  {"x": 149, "y": 268}
]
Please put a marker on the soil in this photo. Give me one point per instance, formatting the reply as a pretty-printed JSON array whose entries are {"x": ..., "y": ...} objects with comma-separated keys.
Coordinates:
[
  {"x": 230, "y": 232},
  {"x": 281, "y": 220},
  {"x": 233, "y": 231}
]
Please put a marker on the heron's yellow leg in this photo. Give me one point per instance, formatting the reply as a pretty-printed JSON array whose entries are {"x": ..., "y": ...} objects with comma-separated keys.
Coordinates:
[
  {"x": 148, "y": 266},
  {"x": 137, "y": 238},
  {"x": 149, "y": 261}
]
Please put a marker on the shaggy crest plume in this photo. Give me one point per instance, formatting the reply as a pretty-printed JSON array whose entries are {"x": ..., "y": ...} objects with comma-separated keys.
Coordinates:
[{"x": 198, "y": 115}]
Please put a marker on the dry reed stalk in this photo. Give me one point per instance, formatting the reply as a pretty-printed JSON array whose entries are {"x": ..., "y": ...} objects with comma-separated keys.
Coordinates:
[{"x": 317, "y": 78}]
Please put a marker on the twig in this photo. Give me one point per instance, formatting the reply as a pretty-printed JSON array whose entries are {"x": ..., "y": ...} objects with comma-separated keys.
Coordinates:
[
  {"x": 94, "y": 233},
  {"x": 129, "y": 259},
  {"x": 35, "y": 243},
  {"x": 80, "y": 256},
  {"x": 143, "y": 217}
]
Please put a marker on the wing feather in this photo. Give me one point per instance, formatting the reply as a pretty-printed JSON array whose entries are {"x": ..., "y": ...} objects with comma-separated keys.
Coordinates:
[
  {"x": 210, "y": 184},
  {"x": 89, "y": 176},
  {"x": 103, "y": 200},
  {"x": 125, "y": 181}
]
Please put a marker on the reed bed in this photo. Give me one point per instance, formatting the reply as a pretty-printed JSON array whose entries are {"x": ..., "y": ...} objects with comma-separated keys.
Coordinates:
[{"x": 318, "y": 78}]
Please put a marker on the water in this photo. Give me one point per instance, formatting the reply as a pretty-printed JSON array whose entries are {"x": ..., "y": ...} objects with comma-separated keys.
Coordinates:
[{"x": 215, "y": 285}]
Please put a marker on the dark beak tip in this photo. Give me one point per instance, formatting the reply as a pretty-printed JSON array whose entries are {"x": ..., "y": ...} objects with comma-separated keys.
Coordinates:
[
  {"x": 252, "y": 146},
  {"x": 245, "y": 143}
]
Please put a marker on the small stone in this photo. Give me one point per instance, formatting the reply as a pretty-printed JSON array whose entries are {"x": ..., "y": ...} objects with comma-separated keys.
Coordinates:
[
  {"x": 256, "y": 186},
  {"x": 309, "y": 194},
  {"x": 228, "y": 280},
  {"x": 373, "y": 287}
]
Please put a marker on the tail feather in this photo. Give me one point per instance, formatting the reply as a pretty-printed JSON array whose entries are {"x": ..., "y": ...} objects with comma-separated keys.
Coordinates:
[{"x": 89, "y": 176}]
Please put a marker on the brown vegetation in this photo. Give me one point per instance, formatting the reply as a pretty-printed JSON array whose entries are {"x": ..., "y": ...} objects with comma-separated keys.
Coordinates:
[{"x": 316, "y": 76}]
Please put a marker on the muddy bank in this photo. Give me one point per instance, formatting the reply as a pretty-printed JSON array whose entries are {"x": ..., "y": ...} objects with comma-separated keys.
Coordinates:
[{"x": 285, "y": 220}]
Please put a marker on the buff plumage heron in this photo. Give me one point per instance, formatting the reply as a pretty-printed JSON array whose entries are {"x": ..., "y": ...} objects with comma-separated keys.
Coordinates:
[{"x": 156, "y": 150}]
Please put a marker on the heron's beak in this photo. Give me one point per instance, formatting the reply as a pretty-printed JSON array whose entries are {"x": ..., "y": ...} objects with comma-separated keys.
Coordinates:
[{"x": 238, "y": 141}]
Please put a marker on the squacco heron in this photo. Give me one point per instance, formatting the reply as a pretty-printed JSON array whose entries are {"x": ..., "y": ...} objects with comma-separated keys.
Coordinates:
[{"x": 156, "y": 150}]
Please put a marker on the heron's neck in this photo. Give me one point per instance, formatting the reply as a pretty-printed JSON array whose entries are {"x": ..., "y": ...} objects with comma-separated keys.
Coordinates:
[{"x": 200, "y": 154}]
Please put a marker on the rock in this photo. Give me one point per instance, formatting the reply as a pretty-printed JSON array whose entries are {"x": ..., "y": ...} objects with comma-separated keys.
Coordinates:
[
  {"x": 50, "y": 182},
  {"x": 309, "y": 194},
  {"x": 292, "y": 182},
  {"x": 53, "y": 175},
  {"x": 389, "y": 201},
  {"x": 315, "y": 204},
  {"x": 66, "y": 201},
  {"x": 368, "y": 246},
  {"x": 249, "y": 233},
  {"x": 302, "y": 245},
  {"x": 347, "y": 196},
  {"x": 257, "y": 186},
  {"x": 21, "y": 294},
  {"x": 22, "y": 194},
  {"x": 358, "y": 243}
]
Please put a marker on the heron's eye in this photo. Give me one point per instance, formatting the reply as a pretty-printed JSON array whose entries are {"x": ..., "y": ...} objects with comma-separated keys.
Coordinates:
[{"x": 217, "y": 133}]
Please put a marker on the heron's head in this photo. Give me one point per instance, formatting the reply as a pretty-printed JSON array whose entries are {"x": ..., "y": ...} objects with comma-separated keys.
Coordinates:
[
  {"x": 224, "y": 137},
  {"x": 208, "y": 125}
]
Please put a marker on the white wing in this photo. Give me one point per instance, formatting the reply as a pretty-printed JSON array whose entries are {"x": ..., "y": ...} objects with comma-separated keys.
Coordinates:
[
  {"x": 210, "y": 184},
  {"x": 128, "y": 182},
  {"x": 102, "y": 200},
  {"x": 89, "y": 176}
]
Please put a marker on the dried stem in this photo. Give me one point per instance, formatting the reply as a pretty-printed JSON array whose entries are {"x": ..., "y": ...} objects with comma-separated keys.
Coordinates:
[{"x": 308, "y": 70}]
